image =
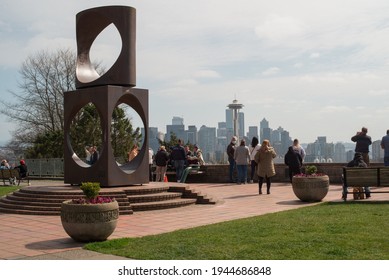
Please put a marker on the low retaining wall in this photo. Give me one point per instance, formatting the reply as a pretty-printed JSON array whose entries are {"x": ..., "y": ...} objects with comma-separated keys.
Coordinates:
[
  {"x": 219, "y": 173},
  {"x": 53, "y": 169}
]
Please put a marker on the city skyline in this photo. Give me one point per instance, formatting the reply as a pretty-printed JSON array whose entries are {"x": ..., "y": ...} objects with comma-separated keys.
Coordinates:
[
  {"x": 164, "y": 130},
  {"x": 283, "y": 60},
  {"x": 214, "y": 140}
]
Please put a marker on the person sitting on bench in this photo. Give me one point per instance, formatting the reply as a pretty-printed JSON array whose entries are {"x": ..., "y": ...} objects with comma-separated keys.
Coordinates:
[
  {"x": 22, "y": 169},
  {"x": 356, "y": 162}
]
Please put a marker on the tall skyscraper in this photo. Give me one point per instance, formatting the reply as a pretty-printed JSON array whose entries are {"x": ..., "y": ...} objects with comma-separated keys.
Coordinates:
[
  {"x": 177, "y": 128},
  {"x": 207, "y": 142},
  {"x": 241, "y": 130},
  {"x": 264, "y": 125},
  {"x": 222, "y": 141},
  {"x": 253, "y": 132},
  {"x": 153, "y": 138},
  {"x": 191, "y": 134},
  {"x": 340, "y": 153},
  {"x": 377, "y": 153},
  {"x": 177, "y": 121},
  {"x": 266, "y": 133}
]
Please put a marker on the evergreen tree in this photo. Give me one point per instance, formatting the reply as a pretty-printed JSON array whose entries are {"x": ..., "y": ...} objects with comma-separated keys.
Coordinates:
[
  {"x": 123, "y": 135},
  {"x": 86, "y": 131},
  {"x": 47, "y": 145}
]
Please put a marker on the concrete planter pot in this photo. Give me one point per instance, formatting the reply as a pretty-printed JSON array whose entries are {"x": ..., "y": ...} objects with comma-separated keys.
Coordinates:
[
  {"x": 89, "y": 222},
  {"x": 311, "y": 188}
]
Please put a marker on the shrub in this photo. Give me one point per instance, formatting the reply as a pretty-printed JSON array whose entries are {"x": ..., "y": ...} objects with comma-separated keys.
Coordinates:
[{"x": 90, "y": 189}]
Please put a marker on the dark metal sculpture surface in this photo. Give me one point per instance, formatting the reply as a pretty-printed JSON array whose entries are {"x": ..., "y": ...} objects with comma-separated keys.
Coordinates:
[{"x": 106, "y": 92}]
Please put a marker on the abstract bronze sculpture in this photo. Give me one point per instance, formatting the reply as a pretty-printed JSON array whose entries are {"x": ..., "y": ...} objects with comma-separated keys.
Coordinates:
[{"x": 106, "y": 92}]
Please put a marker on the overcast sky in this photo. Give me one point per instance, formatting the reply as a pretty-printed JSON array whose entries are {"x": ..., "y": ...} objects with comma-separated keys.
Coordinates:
[{"x": 315, "y": 68}]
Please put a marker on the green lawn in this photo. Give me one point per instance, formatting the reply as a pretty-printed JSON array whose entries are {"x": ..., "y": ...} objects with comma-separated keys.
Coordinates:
[
  {"x": 328, "y": 231},
  {"x": 7, "y": 189}
]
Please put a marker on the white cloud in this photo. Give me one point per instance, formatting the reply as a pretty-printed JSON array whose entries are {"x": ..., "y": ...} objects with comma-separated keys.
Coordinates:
[
  {"x": 186, "y": 83},
  {"x": 276, "y": 28},
  {"x": 379, "y": 93},
  {"x": 335, "y": 109},
  {"x": 207, "y": 74},
  {"x": 298, "y": 65},
  {"x": 271, "y": 71},
  {"x": 333, "y": 57}
]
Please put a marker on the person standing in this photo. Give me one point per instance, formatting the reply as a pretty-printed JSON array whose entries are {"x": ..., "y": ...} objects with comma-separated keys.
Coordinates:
[
  {"x": 161, "y": 161},
  {"x": 254, "y": 147},
  {"x": 242, "y": 159},
  {"x": 230, "y": 153},
  {"x": 385, "y": 146},
  {"x": 299, "y": 149},
  {"x": 294, "y": 161},
  {"x": 363, "y": 141},
  {"x": 178, "y": 156},
  {"x": 94, "y": 155},
  {"x": 266, "y": 170},
  {"x": 151, "y": 158}
]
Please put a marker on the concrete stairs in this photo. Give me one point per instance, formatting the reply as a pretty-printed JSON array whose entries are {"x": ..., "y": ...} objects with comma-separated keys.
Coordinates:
[{"x": 47, "y": 200}]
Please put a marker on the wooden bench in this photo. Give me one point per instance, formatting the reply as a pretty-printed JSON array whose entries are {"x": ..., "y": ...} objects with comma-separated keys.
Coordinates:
[
  {"x": 377, "y": 177},
  {"x": 7, "y": 174}
]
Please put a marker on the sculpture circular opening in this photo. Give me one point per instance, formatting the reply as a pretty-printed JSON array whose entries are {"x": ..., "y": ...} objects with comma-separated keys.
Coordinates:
[
  {"x": 127, "y": 136},
  {"x": 85, "y": 136}
]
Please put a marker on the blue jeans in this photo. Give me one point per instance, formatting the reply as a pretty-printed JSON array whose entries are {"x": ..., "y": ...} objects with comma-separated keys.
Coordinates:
[
  {"x": 386, "y": 161},
  {"x": 232, "y": 167},
  {"x": 242, "y": 173},
  {"x": 179, "y": 165}
]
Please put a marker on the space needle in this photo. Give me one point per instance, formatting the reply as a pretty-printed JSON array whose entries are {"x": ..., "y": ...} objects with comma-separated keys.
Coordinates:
[{"x": 235, "y": 107}]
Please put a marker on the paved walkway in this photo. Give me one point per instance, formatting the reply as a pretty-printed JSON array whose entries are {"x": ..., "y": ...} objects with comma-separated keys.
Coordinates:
[{"x": 42, "y": 237}]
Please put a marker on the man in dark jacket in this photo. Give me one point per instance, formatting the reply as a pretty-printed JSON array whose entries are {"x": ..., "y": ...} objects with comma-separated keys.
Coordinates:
[
  {"x": 230, "y": 153},
  {"x": 294, "y": 161},
  {"x": 363, "y": 141},
  {"x": 23, "y": 170},
  {"x": 178, "y": 156}
]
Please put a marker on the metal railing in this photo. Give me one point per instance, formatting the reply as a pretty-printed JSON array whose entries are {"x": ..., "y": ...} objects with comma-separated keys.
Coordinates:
[{"x": 45, "y": 167}]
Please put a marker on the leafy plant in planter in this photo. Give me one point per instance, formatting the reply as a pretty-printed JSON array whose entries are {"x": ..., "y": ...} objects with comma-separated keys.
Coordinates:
[
  {"x": 310, "y": 186},
  {"x": 91, "y": 191},
  {"x": 92, "y": 218},
  {"x": 310, "y": 169}
]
